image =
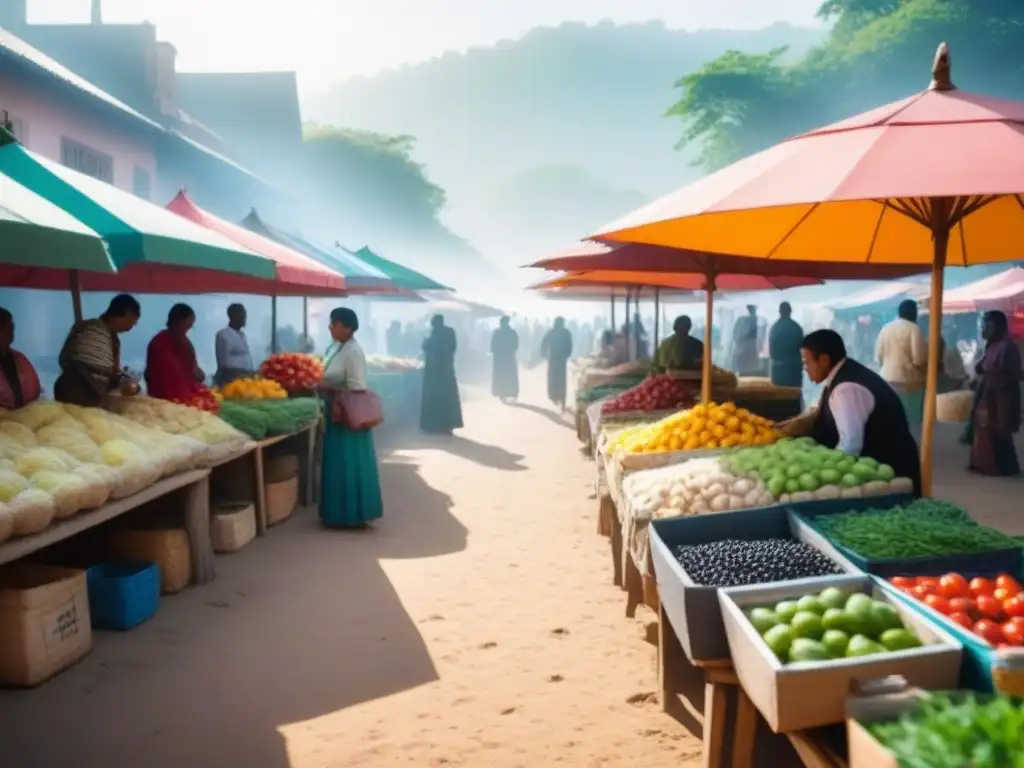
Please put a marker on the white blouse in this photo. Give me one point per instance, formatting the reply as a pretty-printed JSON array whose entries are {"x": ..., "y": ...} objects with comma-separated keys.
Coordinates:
[{"x": 346, "y": 366}]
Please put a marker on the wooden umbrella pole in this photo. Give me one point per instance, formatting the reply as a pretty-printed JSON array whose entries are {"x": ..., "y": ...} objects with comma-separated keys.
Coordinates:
[
  {"x": 636, "y": 324},
  {"x": 934, "y": 358},
  {"x": 273, "y": 324},
  {"x": 625, "y": 327},
  {"x": 305, "y": 321},
  {"x": 611, "y": 295},
  {"x": 709, "y": 306},
  {"x": 75, "y": 279},
  {"x": 657, "y": 315}
]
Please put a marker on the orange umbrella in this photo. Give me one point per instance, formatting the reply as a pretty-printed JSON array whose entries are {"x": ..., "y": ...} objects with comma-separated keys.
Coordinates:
[{"x": 936, "y": 179}]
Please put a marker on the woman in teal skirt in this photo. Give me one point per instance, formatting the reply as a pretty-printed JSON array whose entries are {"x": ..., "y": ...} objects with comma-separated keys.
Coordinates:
[{"x": 349, "y": 479}]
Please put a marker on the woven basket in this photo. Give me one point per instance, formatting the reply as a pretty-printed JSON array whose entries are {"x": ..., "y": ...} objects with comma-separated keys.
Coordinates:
[
  {"x": 44, "y": 622},
  {"x": 232, "y": 527},
  {"x": 168, "y": 548},
  {"x": 279, "y": 468},
  {"x": 281, "y": 498},
  {"x": 954, "y": 406}
]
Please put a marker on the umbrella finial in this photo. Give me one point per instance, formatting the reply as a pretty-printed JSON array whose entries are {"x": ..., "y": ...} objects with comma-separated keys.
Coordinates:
[{"x": 941, "y": 75}]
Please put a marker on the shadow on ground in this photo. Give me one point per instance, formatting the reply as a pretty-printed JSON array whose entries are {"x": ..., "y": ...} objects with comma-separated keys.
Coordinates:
[
  {"x": 562, "y": 419},
  {"x": 486, "y": 455},
  {"x": 298, "y": 625}
]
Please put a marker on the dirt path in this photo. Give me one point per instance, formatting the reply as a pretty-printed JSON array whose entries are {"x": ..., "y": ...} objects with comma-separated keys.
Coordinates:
[{"x": 476, "y": 625}]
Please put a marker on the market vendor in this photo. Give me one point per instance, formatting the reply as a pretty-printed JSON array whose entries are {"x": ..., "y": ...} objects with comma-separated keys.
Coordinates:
[
  {"x": 859, "y": 413},
  {"x": 234, "y": 359},
  {"x": 19, "y": 384},
  {"x": 172, "y": 371},
  {"x": 90, "y": 360},
  {"x": 680, "y": 351}
]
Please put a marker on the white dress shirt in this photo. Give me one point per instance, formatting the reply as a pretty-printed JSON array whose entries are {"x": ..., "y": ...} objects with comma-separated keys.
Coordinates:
[
  {"x": 851, "y": 405},
  {"x": 903, "y": 354},
  {"x": 233, "y": 350},
  {"x": 346, "y": 366}
]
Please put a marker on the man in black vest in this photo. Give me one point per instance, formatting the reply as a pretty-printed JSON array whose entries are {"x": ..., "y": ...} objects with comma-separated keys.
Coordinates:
[{"x": 858, "y": 413}]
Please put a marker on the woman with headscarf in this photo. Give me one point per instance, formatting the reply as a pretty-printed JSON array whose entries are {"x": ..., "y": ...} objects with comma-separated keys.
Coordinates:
[
  {"x": 19, "y": 382},
  {"x": 350, "y": 494},
  {"x": 996, "y": 417},
  {"x": 680, "y": 351},
  {"x": 556, "y": 347},
  {"x": 441, "y": 410},
  {"x": 172, "y": 371},
  {"x": 505, "y": 375}
]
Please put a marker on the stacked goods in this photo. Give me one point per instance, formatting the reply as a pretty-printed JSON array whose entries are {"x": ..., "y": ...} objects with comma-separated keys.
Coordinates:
[
  {"x": 588, "y": 396},
  {"x": 658, "y": 392},
  {"x": 801, "y": 470},
  {"x": 693, "y": 487},
  {"x": 952, "y": 731},
  {"x": 392, "y": 364},
  {"x": 293, "y": 371},
  {"x": 993, "y": 609},
  {"x": 627, "y": 374},
  {"x": 735, "y": 563},
  {"x": 831, "y": 625},
  {"x": 170, "y": 418},
  {"x": 254, "y": 388},
  {"x": 922, "y": 528},
  {"x": 705, "y": 426},
  {"x": 202, "y": 399},
  {"x": 258, "y": 419}
]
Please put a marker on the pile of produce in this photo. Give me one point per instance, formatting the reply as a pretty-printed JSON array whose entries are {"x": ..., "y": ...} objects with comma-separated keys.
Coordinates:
[
  {"x": 588, "y": 396},
  {"x": 736, "y": 563},
  {"x": 57, "y": 460},
  {"x": 993, "y": 609},
  {"x": 921, "y": 528},
  {"x": 658, "y": 392},
  {"x": 254, "y": 388},
  {"x": 831, "y": 625},
  {"x": 801, "y": 470},
  {"x": 705, "y": 426},
  {"x": 393, "y": 364},
  {"x": 954, "y": 731},
  {"x": 202, "y": 399},
  {"x": 694, "y": 487},
  {"x": 259, "y": 419},
  {"x": 173, "y": 419},
  {"x": 293, "y": 371}
]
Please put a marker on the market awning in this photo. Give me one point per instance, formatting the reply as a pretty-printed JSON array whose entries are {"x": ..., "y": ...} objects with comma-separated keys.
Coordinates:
[
  {"x": 448, "y": 303},
  {"x": 136, "y": 231},
  {"x": 359, "y": 277},
  {"x": 877, "y": 298},
  {"x": 1000, "y": 291},
  {"x": 296, "y": 273},
  {"x": 403, "y": 277}
]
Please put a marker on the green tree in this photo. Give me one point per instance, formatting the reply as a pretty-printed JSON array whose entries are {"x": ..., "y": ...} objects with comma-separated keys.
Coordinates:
[{"x": 877, "y": 51}]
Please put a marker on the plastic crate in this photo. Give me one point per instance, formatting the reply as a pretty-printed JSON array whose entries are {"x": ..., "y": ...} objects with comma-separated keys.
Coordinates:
[
  {"x": 123, "y": 595},
  {"x": 1005, "y": 560}
]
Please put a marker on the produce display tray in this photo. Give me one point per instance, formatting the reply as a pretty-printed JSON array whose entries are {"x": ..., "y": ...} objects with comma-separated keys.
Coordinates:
[
  {"x": 1006, "y": 560},
  {"x": 795, "y": 697},
  {"x": 694, "y": 609}
]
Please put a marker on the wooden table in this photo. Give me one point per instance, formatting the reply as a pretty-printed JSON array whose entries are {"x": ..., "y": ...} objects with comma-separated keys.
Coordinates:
[
  {"x": 196, "y": 486},
  {"x": 306, "y": 472}
]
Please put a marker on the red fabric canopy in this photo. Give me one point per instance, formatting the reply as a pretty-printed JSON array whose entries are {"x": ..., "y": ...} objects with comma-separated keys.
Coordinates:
[
  {"x": 1003, "y": 292},
  {"x": 297, "y": 274}
]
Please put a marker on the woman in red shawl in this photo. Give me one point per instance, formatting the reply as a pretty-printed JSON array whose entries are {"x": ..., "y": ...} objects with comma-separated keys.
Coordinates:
[
  {"x": 172, "y": 372},
  {"x": 997, "y": 415},
  {"x": 19, "y": 383}
]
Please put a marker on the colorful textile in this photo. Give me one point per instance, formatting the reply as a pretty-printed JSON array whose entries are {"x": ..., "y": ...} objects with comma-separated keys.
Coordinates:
[
  {"x": 998, "y": 413},
  {"x": 24, "y": 388},
  {"x": 171, "y": 367}
]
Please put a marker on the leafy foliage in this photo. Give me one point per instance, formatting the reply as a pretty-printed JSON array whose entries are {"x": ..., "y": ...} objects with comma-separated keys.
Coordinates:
[{"x": 877, "y": 51}]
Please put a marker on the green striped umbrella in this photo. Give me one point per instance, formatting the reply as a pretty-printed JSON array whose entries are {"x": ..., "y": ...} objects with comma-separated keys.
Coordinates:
[{"x": 403, "y": 277}]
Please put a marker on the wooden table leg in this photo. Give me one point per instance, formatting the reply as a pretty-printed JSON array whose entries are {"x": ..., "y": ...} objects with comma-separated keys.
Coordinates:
[
  {"x": 634, "y": 585},
  {"x": 745, "y": 733},
  {"x": 714, "y": 723},
  {"x": 616, "y": 541},
  {"x": 197, "y": 526},
  {"x": 306, "y": 471},
  {"x": 259, "y": 492},
  {"x": 670, "y": 661}
]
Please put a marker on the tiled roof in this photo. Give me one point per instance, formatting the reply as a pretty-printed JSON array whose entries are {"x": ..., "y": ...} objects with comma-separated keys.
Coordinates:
[{"x": 15, "y": 48}]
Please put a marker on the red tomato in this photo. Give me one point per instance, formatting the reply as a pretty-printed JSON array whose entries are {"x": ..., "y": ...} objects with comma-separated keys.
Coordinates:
[
  {"x": 1006, "y": 581},
  {"x": 928, "y": 581},
  {"x": 902, "y": 582},
  {"x": 1014, "y": 606},
  {"x": 1002, "y": 594},
  {"x": 940, "y": 604},
  {"x": 989, "y": 607},
  {"x": 922, "y": 591},
  {"x": 1014, "y": 633},
  {"x": 963, "y": 605},
  {"x": 953, "y": 585},
  {"x": 962, "y": 619},
  {"x": 981, "y": 586},
  {"x": 989, "y": 631}
]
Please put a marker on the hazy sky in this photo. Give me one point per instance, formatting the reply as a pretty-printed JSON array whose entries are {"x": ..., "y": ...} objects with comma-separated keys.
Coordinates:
[{"x": 326, "y": 40}]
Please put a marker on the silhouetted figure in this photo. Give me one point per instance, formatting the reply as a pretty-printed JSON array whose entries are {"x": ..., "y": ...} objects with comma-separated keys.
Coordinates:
[
  {"x": 441, "y": 411},
  {"x": 505, "y": 374},
  {"x": 556, "y": 347}
]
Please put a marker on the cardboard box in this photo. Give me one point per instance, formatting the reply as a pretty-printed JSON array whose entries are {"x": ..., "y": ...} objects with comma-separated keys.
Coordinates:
[
  {"x": 45, "y": 625},
  {"x": 794, "y": 697}
]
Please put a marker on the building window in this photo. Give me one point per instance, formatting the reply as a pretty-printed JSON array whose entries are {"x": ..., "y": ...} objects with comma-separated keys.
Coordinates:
[
  {"x": 85, "y": 160},
  {"x": 140, "y": 183}
]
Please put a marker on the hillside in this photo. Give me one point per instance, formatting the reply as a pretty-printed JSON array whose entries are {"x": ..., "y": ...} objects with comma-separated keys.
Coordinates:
[{"x": 589, "y": 97}]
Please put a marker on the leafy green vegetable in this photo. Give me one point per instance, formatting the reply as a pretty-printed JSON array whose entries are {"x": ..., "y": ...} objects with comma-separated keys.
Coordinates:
[{"x": 958, "y": 731}]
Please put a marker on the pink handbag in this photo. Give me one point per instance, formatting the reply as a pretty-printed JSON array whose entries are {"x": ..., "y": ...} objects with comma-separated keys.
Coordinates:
[{"x": 357, "y": 411}]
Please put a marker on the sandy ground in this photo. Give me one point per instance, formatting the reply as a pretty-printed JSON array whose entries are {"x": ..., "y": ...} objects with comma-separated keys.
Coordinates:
[{"x": 476, "y": 625}]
